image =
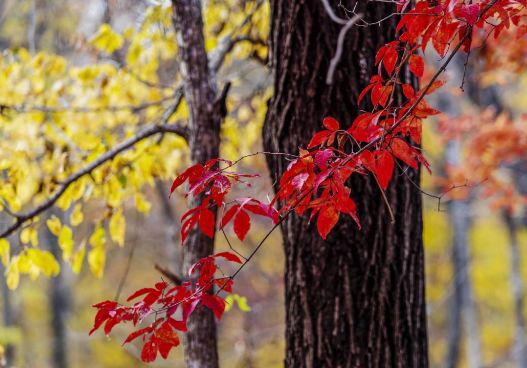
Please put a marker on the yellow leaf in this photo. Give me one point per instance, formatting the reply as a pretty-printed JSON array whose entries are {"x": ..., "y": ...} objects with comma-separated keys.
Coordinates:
[
  {"x": 25, "y": 235},
  {"x": 78, "y": 258},
  {"x": 54, "y": 225},
  {"x": 12, "y": 274},
  {"x": 142, "y": 204},
  {"x": 44, "y": 261},
  {"x": 29, "y": 235},
  {"x": 117, "y": 227},
  {"x": 107, "y": 40},
  {"x": 66, "y": 242},
  {"x": 77, "y": 216},
  {"x": 240, "y": 300},
  {"x": 97, "y": 239},
  {"x": 4, "y": 251},
  {"x": 96, "y": 260}
]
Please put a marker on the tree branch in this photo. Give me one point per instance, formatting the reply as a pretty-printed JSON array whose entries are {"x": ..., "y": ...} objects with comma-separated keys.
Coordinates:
[{"x": 161, "y": 127}]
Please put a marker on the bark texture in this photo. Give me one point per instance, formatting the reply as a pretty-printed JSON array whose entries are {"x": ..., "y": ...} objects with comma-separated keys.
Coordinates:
[
  {"x": 357, "y": 299},
  {"x": 205, "y": 118}
]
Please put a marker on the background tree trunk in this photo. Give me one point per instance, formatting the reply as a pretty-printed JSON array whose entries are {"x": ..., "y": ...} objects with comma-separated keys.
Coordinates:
[
  {"x": 357, "y": 299},
  {"x": 204, "y": 141},
  {"x": 59, "y": 305}
]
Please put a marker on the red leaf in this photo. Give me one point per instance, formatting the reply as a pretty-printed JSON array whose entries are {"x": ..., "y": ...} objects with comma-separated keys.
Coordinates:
[
  {"x": 417, "y": 65},
  {"x": 166, "y": 335},
  {"x": 470, "y": 13},
  {"x": 390, "y": 59},
  {"x": 227, "y": 217},
  {"x": 207, "y": 222},
  {"x": 331, "y": 123},
  {"x": 403, "y": 151},
  {"x": 327, "y": 219},
  {"x": 214, "y": 303},
  {"x": 408, "y": 91},
  {"x": 384, "y": 164},
  {"x": 319, "y": 138},
  {"x": 149, "y": 352},
  {"x": 242, "y": 223},
  {"x": 178, "y": 325},
  {"x": 134, "y": 335},
  {"x": 229, "y": 256},
  {"x": 141, "y": 292},
  {"x": 365, "y": 92}
]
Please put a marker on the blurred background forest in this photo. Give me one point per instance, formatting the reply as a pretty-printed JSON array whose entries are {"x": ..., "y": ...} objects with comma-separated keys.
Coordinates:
[{"x": 77, "y": 77}]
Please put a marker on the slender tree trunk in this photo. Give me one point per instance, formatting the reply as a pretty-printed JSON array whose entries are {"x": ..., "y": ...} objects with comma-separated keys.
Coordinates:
[
  {"x": 59, "y": 303},
  {"x": 462, "y": 309},
  {"x": 205, "y": 119},
  {"x": 358, "y": 298},
  {"x": 7, "y": 319},
  {"x": 519, "y": 348}
]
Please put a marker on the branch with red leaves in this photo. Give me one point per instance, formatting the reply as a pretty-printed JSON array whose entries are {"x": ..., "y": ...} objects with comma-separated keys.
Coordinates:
[{"x": 316, "y": 182}]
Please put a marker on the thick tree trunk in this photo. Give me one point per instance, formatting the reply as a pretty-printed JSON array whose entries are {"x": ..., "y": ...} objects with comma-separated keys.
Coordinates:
[
  {"x": 357, "y": 299},
  {"x": 205, "y": 118}
]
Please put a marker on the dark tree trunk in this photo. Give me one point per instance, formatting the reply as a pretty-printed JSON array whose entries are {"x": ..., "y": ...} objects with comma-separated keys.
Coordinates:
[
  {"x": 204, "y": 140},
  {"x": 357, "y": 299}
]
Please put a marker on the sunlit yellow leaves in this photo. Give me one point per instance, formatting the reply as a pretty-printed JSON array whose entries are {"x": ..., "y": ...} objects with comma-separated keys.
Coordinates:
[
  {"x": 33, "y": 262},
  {"x": 78, "y": 258},
  {"x": 117, "y": 227},
  {"x": 77, "y": 216},
  {"x": 66, "y": 241},
  {"x": 97, "y": 260},
  {"x": 29, "y": 235},
  {"x": 241, "y": 301},
  {"x": 12, "y": 274},
  {"x": 107, "y": 40},
  {"x": 54, "y": 225},
  {"x": 142, "y": 204},
  {"x": 97, "y": 255},
  {"x": 4, "y": 252},
  {"x": 41, "y": 260}
]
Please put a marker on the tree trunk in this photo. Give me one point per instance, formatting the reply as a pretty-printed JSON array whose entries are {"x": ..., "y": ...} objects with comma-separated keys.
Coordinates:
[
  {"x": 519, "y": 349},
  {"x": 205, "y": 119},
  {"x": 59, "y": 303},
  {"x": 358, "y": 298},
  {"x": 462, "y": 309},
  {"x": 8, "y": 360}
]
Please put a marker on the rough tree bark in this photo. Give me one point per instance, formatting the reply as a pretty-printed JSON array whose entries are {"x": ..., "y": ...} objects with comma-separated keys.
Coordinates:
[
  {"x": 204, "y": 140},
  {"x": 357, "y": 299}
]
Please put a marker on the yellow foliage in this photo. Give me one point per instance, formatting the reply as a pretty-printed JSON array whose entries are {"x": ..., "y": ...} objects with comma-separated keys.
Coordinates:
[
  {"x": 5, "y": 251},
  {"x": 117, "y": 227},
  {"x": 66, "y": 242},
  {"x": 107, "y": 40}
]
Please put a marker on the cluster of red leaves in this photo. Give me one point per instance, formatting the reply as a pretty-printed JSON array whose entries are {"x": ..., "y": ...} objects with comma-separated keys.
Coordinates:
[
  {"x": 317, "y": 180},
  {"x": 214, "y": 183},
  {"x": 492, "y": 143},
  {"x": 171, "y": 306}
]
